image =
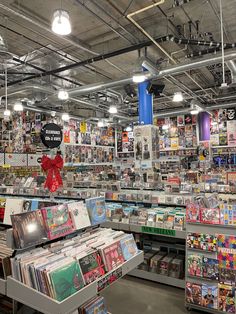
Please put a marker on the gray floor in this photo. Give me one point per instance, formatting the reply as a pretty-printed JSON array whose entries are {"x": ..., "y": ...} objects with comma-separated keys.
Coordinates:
[{"x": 136, "y": 296}]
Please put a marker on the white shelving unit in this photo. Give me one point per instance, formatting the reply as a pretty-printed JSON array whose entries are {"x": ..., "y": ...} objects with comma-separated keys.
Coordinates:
[
  {"x": 3, "y": 286},
  {"x": 179, "y": 234},
  {"x": 170, "y": 281},
  {"x": 42, "y": 303}
]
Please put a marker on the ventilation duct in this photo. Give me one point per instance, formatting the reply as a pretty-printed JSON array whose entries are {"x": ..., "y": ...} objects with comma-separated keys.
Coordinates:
[
  {"x": 5, "y": 55},
  {"x": 232, "y": 66}
]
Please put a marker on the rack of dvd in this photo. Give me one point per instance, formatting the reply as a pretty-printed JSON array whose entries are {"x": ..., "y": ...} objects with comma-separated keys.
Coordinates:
[
  {"x": 62, "y": 259},
  {"x": 211, "y": 257}
]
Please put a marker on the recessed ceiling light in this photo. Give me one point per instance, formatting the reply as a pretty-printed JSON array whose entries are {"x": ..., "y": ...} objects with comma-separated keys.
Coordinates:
[
  {"x": 61, "y": 23},
  {"x": 178, "y": 97}
]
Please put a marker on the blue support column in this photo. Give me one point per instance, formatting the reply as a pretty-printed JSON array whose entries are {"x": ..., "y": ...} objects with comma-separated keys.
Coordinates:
[{"x": 145, "y": 104}]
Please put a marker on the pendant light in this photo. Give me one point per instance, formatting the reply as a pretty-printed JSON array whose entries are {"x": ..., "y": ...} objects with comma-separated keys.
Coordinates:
[
  {"x": 178, "y": 97},
  {"x": 65, "y": 117},
  {"x": 112, "y": 109},
  {"x": 61, "y": 22},
  {"x": 62, "y": 94},
  {"x": 18, "y": 106},
  {"x": 7, "y": 112}
]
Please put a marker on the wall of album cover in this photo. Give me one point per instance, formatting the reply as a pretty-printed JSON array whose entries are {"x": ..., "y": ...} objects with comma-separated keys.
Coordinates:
[
  {"x": 21, "y": 145},
  {"x": 181, "y": 132}
]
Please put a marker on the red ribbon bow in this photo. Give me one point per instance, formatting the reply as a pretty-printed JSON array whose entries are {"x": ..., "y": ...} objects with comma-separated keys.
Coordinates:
[{"x": 52, "y": 167}]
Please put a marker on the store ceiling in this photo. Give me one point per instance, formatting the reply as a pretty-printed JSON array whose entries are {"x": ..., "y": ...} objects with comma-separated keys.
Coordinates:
[{"x": 100, "y": 27}]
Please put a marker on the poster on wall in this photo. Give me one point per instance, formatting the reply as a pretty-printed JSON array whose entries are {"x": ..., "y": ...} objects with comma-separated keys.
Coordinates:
[
  {"x": 180, "y": 120},
  {"x": 231, "y": 114},
  {"x": 231, "y": 132}
]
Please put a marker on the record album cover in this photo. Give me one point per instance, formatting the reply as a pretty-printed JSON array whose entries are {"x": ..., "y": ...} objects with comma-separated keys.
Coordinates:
[
  {"x": 66, "y": 280},
  {"x": 128, "y": 246},
  {"x": 57, "y": 221},
  {"x": 79, "y": 215},
  {"x": 195, "y": 265},
  {"x": 28, "y": 229},
  {"x": 210, "y": 268},
  {"x": 97, "y": 210},
  {"x": 193, "y": 293},
  {"x": 227, "y": 251},
  {"x": 226, "y": 298},
  {"x": 210, "y": 296},
  {"x": 92, "y": 267}
]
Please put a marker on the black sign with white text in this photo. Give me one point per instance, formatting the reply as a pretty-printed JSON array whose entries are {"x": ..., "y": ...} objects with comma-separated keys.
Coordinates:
[{"x": 51, "y": 135}]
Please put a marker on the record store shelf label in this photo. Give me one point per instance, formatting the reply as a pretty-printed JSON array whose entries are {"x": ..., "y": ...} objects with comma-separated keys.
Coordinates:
[{"x": 161, "y": 231}]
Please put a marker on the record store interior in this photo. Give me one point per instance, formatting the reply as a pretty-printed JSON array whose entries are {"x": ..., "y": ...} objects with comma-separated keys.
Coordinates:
[{"x": 117, "y": 156}]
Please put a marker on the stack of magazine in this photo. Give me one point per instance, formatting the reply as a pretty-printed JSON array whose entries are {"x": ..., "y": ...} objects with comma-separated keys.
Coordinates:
[{"x": 64, "y": 267}]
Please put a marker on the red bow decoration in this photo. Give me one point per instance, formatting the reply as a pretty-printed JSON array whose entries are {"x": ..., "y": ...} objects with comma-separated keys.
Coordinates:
[{"x": 52, "y": 167}]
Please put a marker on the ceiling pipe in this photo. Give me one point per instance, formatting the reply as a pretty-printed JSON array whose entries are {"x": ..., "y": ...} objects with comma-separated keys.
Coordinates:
[
  {"x": 231, "y": 64},
  {"x": 187, "y": 110},
  {"x": 169, "y": 71},
  {"x": 83, "y": 90},
  {"x": 130, "y": 17},
  {"x": 49, "y": 91},
  {"x": 108, "y": 55}
]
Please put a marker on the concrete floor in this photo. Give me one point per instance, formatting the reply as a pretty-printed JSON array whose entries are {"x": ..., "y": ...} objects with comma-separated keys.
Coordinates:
[{"x": 137, "y": 296}]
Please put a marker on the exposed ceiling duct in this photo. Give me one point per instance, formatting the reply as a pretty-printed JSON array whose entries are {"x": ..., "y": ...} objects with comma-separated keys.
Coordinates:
[
  {"x": 5, "y": 55},
  {"x": 180, "y": 68},
  {"x": 231, "y": 64}
]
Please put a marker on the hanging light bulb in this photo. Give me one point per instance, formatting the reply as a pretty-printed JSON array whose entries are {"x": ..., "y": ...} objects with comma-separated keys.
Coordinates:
[
  {"x": 178, "y": 97},
  {"x": 18, "y": 106},
  {"x": 101, "y": 124},
  {"x": 165, "y": 127},
  {"x": 112, "y": 109},
  {"x": 128, "y": 128},
  {"x": 139, "y": 77},
  {"x": 65, "y": 117},
  {"x": 7, "y": 113},
  {"x": 61, "y": 22},
  {"x": 62, "y": 94}
]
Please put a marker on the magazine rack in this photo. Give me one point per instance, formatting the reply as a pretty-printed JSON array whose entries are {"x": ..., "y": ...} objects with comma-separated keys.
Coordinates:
[
  {"x": 192, "y": 227},
  {"x": 39, "y": 301}
]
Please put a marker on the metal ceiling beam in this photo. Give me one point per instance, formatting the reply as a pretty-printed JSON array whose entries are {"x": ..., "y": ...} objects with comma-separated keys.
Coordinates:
[{"x": 103, "y": 57}]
